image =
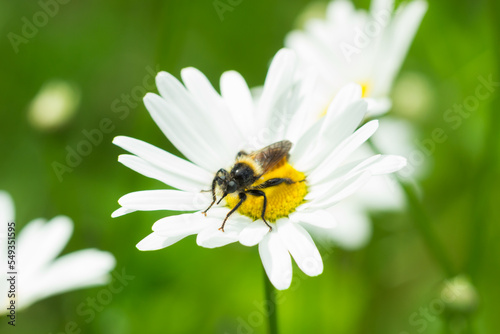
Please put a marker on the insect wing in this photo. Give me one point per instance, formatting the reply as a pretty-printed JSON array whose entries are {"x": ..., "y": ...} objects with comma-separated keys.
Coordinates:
[{"x": 270, "y": 155}]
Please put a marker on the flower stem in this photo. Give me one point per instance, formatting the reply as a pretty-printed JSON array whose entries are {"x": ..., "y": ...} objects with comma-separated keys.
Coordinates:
[
  {"x": 483, "y": 192},
  {"x": 271, "y": 306}
]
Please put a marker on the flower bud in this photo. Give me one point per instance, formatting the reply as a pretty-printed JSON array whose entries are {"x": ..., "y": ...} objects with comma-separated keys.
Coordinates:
[
  {"x": 54, "y": 105},
  {"x": 460, "y": 295}
]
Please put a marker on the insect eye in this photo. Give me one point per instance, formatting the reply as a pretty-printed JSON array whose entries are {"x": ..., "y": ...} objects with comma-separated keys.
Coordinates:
[{"x": 231, "y": 187}]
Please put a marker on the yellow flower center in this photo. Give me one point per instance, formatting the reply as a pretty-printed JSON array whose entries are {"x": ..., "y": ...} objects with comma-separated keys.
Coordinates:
[
  {"x": 282, "y": 199},
  {"x": 365, "y": 88}
]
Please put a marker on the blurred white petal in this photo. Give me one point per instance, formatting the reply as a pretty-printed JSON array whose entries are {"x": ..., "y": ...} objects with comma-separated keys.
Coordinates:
[
  {"x": 40, "y": 272},
  {"x": 81, "y": 269},
  {"x": 318, "y": 218},
  {"x": 40, "y": 242}
]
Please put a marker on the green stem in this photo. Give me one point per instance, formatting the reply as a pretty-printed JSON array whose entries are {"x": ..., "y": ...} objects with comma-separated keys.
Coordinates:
[
  {"x": 271, "y": 306},
  {"x": 424, "y": 224},
  {"x": 489, "y": 163}
]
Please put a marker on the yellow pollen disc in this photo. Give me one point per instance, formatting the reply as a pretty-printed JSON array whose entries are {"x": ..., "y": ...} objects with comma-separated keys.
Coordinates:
[{"x": 282, "y": 199}]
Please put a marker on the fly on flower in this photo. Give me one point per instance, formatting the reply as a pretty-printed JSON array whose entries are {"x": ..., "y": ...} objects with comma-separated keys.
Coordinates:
[
  {"x": 244, "y": 177},
  {"x": 262, "y": 188}
]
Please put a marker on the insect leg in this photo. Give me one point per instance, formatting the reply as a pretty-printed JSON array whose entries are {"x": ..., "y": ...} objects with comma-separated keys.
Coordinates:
[
  {"x": 274, "y": 182},
  {"x": 217, "y": 180},
  {"x": 243, "y": 197},
  {"x": 255, "y": 192}
]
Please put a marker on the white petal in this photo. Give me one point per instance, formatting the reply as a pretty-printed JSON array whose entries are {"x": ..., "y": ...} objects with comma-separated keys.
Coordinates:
[
  {"x": 214, "y": 108},
  {"x": 76, "y": 270},
  {"x": 237, "y": 95},
  {"x": 354, "y": 227},
  {"x": 145, "y": 168},
  {"x": 340, "y": 190},
  {"x": 351, "y": 168},
  {"x": 397, "y": 136},
  {"x": 284, "y": 111},
  {"x": 154, "y": 241},
  {"x": 314, "y": 54},
  {"x": 301, "y": 246},
  {"x": 307, "y": 110},
  {"x": 121, "y": 212},
  {"x": 189, "y": 132},
  {"x": 387, "y": 164},
  {"x": 276, "y": 260},
  {"x": 340, "y": 10},
  {"x": 342, "y": 123},
  {"x": 170, "y": 163},
  {"x": 39, "y": 242},
  {"x": 150, "y": 200},
  {"x": 184, "y": 224},
  {"x": 6, "y": 208},
  {"x": 337, "y": 156},
  {"x": 253, "y": 233},
  {"x": 305, "y": 145},
  {"x": 397, "y": 40},
  {"x": 382, "y": 193},
  {"x": 377, "y": 165},
  {"x": 349, "y": 94},
  {"x": 334, "y": 130},
  {"x": 378, "y": 106},
  {"x": 202, "y": 90},
  {"x": 212, "y": 237},
  {"x": 278, "y": 80},
  {"x": 381, "y": 5},
  {"x": 318, "y": 218}
]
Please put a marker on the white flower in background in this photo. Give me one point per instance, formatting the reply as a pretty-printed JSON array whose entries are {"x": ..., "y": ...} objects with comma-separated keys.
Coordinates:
[
  {"x": 54, "y": 105},
  {"x": 40, "y": 273},
  {"x": 211, "y": 128},
  {"x": 352, "y": 45},
  {"x": 381, "y": 193}
]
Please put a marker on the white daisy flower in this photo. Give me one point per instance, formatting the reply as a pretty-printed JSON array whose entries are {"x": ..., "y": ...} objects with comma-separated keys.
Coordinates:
[
  {"x": 211, "y": 128},
  {"x": 39, "y": 273},
  {"x": 352, "y": 45}
]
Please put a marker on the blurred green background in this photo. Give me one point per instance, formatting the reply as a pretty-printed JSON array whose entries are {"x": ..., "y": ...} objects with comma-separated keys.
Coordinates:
[{"x": 105, "y": 47}]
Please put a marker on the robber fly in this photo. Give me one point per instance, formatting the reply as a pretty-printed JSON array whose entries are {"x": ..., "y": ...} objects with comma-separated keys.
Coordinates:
[{"x": 249, "y": 167}]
